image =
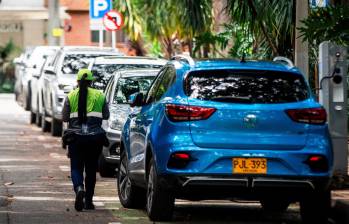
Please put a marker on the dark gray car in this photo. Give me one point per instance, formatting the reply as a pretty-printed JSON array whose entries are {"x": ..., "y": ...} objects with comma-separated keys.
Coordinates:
[{"x": 120, "y": 87}]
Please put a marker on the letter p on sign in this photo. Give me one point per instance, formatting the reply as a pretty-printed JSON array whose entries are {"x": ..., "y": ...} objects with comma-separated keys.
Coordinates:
[{"x": 98, "y": 8}]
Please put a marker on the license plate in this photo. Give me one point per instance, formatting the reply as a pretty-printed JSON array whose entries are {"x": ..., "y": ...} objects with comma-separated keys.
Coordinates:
[{"x": 250, "y": 165}]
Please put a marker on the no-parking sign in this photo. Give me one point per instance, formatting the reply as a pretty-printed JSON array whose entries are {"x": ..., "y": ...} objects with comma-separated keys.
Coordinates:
[{"x": 113, "y": 20}]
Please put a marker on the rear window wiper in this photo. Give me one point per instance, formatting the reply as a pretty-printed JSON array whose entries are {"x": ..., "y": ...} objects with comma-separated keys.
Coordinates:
[{"x": 233, "y": 99}]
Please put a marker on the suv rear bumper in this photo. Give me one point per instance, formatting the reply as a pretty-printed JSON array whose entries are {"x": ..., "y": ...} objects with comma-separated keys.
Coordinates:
[{"x": 211, "y": 187}]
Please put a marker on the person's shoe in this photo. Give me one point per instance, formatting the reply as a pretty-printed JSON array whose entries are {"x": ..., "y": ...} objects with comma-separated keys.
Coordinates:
[
  {"x": 89, "y": 206},
  {"x": 79, "y": 199}
]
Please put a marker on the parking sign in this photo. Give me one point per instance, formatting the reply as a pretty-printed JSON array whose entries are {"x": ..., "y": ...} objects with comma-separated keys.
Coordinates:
[{"x": 98, "y": 8}]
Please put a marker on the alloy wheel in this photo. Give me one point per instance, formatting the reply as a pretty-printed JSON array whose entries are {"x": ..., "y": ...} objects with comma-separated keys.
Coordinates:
[{"x": 124, "y": 180}]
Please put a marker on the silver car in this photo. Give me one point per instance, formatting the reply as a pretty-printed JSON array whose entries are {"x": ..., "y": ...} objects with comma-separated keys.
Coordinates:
[
  {"x": 120, "y": 87},
  {"x": 35, "y": 83},
  {"x": 60, "y": 78}
]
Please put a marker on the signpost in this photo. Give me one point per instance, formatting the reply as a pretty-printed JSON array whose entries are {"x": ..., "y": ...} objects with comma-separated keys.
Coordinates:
[
  {"x": 113, "y": 21},
  {"x": 98, "y": 8}
]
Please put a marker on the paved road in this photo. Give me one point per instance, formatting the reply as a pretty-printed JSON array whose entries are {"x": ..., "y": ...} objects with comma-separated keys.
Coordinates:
[{"x": 35, "y": 185}]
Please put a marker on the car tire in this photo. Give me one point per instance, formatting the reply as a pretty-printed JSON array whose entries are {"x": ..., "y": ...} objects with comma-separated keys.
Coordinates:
[
  {"x": 275, "y": 205},
  {"x": 56, "y": 127},
  {"x": 104, "y": 168},
  {"x": 160, "y": 200},
  {"x": 38, "y": 120},
  {"x": 45, "y": 125},
  {"x": 27, "y": 99},
  {"x": 32, "y": 119},
  {"x": 130, "y": 196},
  {"x": 315, "y": 207}
]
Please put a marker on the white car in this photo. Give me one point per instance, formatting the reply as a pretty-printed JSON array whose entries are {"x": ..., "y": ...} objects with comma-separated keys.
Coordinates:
[{"x": 35, "y": 72}]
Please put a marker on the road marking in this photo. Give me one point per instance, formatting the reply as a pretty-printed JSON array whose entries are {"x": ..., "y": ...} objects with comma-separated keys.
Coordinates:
[
  {"x": 56, "y": 155},
  {"x": 106, "y": 199},
  {"x": 64, "y": 168},
  {"x": 47, "y": 146},
  {"x": 99, "y": 203},
  {"x": 41, "y": 138}
]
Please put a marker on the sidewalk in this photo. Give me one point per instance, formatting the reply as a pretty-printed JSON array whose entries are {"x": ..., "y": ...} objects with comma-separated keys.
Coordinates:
[{"x": 340, "y": 206}]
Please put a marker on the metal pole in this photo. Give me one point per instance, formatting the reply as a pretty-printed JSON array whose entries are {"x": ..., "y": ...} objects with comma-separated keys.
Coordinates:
[
  {"x": 113, "y": 39},
  {"x": 301, "y": 51},
  {"x": 101, "y": 37},
  {"x": 53, "y": 21}
]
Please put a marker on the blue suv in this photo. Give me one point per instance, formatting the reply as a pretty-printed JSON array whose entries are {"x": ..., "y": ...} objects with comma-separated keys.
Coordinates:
[{"x": 225, "y": 129}]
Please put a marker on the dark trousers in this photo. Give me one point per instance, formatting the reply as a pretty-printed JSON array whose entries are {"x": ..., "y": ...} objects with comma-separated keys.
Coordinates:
[{"x": 84, "y": 153}]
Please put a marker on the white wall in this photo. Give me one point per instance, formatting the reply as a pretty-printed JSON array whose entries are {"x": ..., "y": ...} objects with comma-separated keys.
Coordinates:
[{"x": 21, "y": 4}]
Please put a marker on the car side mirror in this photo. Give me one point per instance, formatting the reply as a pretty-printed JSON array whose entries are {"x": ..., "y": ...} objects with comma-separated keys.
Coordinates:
[
  {"x": 50, "y": 71},
  {"x": 36, "y": 75},
  {"x": 17, "y": 60},
  {"x": 136, "y": 99}
]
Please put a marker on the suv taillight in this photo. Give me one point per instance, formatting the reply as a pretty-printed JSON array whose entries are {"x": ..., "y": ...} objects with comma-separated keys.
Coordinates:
[
  {"x": 188, "y": 113},
  {"x": 308, "y": 115}
]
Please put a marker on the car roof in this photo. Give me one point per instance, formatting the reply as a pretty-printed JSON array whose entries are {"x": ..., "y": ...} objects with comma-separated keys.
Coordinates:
[
  {"x": 90, "y": 49},
  {"x": 138, "y": 72},
  {"x": 212, "y": 64},
  {"x": 129, "y": 60}
]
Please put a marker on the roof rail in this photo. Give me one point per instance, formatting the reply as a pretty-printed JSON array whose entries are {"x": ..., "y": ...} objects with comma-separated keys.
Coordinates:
[
  {"x": 183, "y": 57},
  {"x": 284, "y": 60}
]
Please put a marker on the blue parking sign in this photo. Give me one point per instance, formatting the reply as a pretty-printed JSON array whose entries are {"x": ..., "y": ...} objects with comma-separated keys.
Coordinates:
[{"x": 98, "y": 8}]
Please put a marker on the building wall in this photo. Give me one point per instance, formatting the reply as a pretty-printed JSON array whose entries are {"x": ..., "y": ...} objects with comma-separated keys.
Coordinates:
[
  {"x": 34, "y": 31},
  {"x": 22, "y": 3},
  {"x": 23, "y": 22},
  {"x": 80, "y": 32}
]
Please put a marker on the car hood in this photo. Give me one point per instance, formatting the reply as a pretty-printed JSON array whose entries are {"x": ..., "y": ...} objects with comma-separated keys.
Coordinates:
[{"x": 67, "y": 80}]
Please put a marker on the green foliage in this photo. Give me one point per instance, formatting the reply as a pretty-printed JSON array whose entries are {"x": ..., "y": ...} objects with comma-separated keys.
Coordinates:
[
  {"x": 6, "y": 50},
  {"x": 269, "y": 22},
  {"x": 330, "y": 23},
  {"x": 6, "y": 68},
  {"x": 162, "y": 21}
]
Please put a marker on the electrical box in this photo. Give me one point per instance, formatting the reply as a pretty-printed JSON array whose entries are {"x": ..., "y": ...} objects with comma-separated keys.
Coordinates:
[{"x": 333, "y": 96}]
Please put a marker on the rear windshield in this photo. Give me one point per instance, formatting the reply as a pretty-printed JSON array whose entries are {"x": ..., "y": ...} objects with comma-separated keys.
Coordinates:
[
  {"x": 103, "y": 72},
  {"x": 246, "y": 86}
]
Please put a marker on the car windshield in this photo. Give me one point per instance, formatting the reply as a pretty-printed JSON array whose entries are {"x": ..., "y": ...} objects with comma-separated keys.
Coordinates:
[
  {"x": 72, "y": 63},
  {"x": 247, "y": 86},
  {"x": 127, "y": 86},
  {"x": 103, "y": 72}
]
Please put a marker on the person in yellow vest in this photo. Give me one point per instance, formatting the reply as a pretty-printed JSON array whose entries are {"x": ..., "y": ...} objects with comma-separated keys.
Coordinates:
[{"x": 84, "y": 109}]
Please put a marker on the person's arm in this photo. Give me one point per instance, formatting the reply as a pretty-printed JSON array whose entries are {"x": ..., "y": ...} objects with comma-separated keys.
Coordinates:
[{"x": 66, "y": 110}]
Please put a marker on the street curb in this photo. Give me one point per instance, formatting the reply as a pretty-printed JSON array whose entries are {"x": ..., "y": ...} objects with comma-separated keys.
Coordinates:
[{"x": 340, "y": 211}]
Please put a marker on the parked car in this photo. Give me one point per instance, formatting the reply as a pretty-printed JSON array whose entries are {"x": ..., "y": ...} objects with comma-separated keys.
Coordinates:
[
  {"x": 216, "y": 129},
  {"x": 120, "y": 87},
  {"x": 35, "y": 84},
  {"x": 60, "y": 79},
  {"x": 32, "y": 66},
  {"x": 103, "y": 68},
  {"x": 20, "y": 66}
]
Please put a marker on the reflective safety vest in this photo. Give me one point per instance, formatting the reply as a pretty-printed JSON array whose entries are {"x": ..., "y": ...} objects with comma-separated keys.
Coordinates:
[{"x": 95, "y": 103}]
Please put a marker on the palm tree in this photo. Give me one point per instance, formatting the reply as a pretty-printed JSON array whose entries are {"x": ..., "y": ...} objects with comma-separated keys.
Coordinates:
[
  {"x": 194, "y": 17},
  {"x": 270, "y": 22}
]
